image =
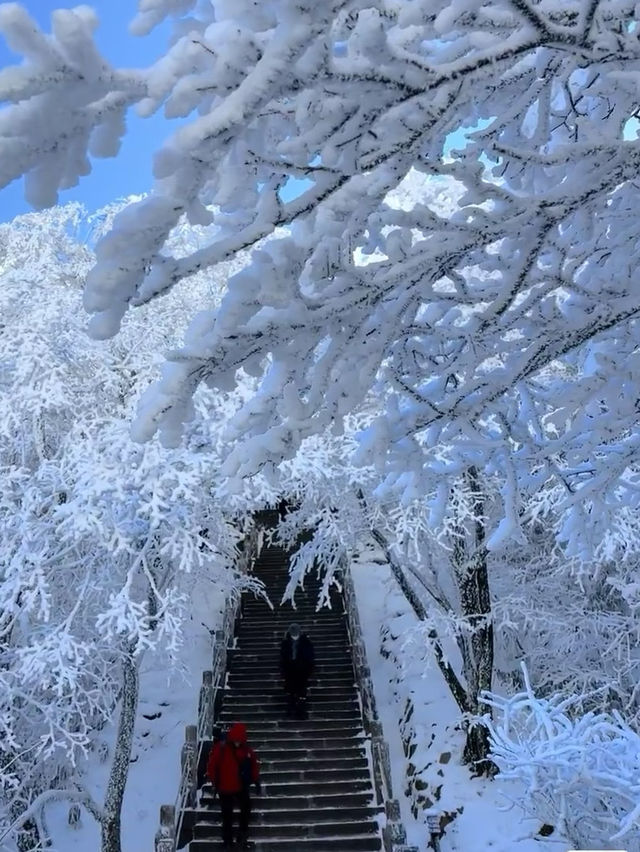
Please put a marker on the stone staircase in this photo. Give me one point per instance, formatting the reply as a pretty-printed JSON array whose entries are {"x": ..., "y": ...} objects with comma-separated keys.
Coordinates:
[{"x": 317, "y": 788}]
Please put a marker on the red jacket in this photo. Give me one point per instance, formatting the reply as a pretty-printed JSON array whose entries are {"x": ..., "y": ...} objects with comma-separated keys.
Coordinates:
[{"x": 226, "y": 759}]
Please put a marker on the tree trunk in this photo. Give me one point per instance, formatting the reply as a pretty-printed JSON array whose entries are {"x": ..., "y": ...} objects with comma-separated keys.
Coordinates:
[
  {"x": 28, "y": 837},
  {"x": 476, "y": 750},
  {"x": 476, "y": 646},
  {"x": 470, "y": 570},
  {"x": 152, "y": 599},
  {"x": 111, "y": 841}
]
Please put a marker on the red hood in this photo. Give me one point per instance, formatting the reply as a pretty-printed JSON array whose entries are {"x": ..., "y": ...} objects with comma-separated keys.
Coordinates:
[{"x": 237, "y": 733}]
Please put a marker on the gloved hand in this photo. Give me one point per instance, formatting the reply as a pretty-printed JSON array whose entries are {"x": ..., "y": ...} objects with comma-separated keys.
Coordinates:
[{"x": 258, "y": 788}]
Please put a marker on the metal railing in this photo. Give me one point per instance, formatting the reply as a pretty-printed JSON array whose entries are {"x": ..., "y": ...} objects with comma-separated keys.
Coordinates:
[
  {"x": 174, "y": 830},
  {"x": 393, "y": 834}
]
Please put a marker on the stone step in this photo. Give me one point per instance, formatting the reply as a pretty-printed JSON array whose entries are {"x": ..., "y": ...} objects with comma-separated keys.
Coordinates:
[
  {"x": 325, "y": 687},
  {"x": 304, "y": 608},
  {"x": 271, "y": 659},
  {"x": 276, "y": 573},
  {"x": 321, "y": 703},
  {"x": 316, "y": 787},
  {"x": 330, "y": 747},
  {"x": 315, "y": 632},
  {"x": 236, "y": 704},
  {"x": 268, "y": 671},
  {"x": 304, "y": 813},
  {"x": 274, "y": 637},
  {"x": 265, "y": 615},
  {"x": 244, "y": 684},
  {"x": 275, "y": 585},
  {"x": 268, "y": 648},
  {"x": 276, "y": 697},
  {"x": 246, "y": 679},
  {"x": 364, "y": 843},
  {"x": 285, "y": 763},
  {"x": 354, "y": 767},
  {"x": 312, "y": 599},
  {"x": 251, "y": 664},
  {"x": 302, "y": 728},
  {"x": 286, "y": 614},
  {"x": 283, "y": 739},
  {"x": 278, "y": 581},
  {"x": 346, "y": 753},
  {"x": 248, "y": 672},
  {"x": 278, "y": 627},
  {"x": 283, "y": 618},
  {"x": 272, "y": 568},
  {"x": 245, "y": 687},
  {"x": 326, "y": 662},
  {"x": 275, "y": 588},
  {"x": 269, "y": 651},
  {"x": 326, "y": 802},
  {"x": 324, "y": 772},
  {"x": 252, "y": 718},
  {"x": 323, "y": 659},
  {"x": 327, "y": 654},
  {"x": 299, "y": 830},
  {"x": 323, "y": 675},
  {"x": 309, "y": 625},
  {"x": 330, "y": 710},
  {"x": 328, "y": 773}
]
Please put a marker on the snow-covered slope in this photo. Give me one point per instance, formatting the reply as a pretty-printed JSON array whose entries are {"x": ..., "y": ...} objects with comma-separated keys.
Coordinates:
[{"x": 483, "y": 816}]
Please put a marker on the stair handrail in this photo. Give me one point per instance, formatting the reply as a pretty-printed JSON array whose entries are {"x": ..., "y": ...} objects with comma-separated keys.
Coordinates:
[
  {"x": 393, "y": 834},
  {"x": 169, "y": 833}
]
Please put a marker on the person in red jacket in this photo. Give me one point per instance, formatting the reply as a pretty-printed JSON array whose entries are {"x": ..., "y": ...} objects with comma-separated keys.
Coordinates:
[{"x": 232, "y": 768}]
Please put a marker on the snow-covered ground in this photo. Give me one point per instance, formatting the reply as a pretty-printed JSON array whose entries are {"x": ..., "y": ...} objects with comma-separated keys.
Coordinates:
[
  {"x": 484, "y": 819},
  {"x": 168, "y": 702}
]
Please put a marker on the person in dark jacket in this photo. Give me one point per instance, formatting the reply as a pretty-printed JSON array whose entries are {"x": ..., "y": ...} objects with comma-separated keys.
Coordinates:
[
  {"x": 232, "y": 768},
  {"x": 297, "y": 659}
]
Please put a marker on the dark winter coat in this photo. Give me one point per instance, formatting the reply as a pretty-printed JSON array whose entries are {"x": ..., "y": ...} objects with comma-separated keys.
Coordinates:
[
  {"x": 231, "y": 768},
  {"x": 304, "y": 656}
]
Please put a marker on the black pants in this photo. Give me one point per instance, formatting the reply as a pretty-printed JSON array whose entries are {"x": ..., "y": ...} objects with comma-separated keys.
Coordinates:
[
  {"x": 296, "y": 683},
  {"x": 227, "y": 804}
]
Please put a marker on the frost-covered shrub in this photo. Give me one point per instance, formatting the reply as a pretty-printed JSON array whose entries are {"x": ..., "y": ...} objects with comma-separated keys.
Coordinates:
[{"x": 581, "y": 772}]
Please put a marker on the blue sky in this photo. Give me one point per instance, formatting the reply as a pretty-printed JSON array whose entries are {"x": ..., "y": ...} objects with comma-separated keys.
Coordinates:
[{"x": 130, "y": 172}]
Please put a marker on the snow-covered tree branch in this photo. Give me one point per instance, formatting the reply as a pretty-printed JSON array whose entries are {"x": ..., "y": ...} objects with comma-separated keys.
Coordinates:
[{"x": 476, "y": 322}]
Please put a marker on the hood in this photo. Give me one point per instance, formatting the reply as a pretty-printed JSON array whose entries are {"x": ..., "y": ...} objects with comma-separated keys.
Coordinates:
[{"x": 237, "y": 733}]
